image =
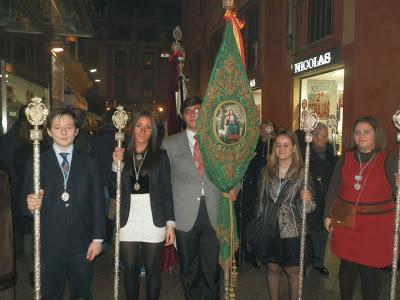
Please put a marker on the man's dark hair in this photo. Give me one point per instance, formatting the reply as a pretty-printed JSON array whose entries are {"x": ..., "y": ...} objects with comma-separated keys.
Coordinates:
[
  {"x": 59, "y": 112},
  {"x": 190, "y": 102}
]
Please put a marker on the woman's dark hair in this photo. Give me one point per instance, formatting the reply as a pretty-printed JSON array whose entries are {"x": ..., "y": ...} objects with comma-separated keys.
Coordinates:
[
  {"x": 380, "y": 139},
  {"x": 151, "y": 156},
  {"x": 60, "y": 112}
]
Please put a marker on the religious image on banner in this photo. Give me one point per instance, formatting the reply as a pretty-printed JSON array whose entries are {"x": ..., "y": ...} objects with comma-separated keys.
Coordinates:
[{"x": 230, "y": 122}]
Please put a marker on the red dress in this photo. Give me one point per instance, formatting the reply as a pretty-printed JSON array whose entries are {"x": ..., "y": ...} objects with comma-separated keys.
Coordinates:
[{"x": 370, "y": 242}]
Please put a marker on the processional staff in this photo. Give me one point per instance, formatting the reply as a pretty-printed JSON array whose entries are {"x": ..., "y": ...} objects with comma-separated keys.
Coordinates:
[
  {"x": 308, "y": 122},
  {"x": 36, "y": 113},
  {"x": 396, "y": 121},
  {"x": 269, "y": 130},
  {"x": 332, "y": 125},
  {"x": 119, "y": 119}
]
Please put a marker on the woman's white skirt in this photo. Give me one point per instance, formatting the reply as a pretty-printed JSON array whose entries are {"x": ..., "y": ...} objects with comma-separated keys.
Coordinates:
[{"x": 140, "y": 226}]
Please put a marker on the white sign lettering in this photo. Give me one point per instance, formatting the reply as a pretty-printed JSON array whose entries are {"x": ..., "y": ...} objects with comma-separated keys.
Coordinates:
[{"x": 311, "y": 63}]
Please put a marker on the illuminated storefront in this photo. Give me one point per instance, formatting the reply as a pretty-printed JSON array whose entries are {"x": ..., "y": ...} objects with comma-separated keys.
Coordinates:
[{"x": 319, "y": 85}]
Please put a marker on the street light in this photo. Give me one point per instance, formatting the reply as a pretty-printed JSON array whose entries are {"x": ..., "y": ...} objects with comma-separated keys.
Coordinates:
[
  {"x": 97, "y": 80},
  {"x": 57, "y": 49},
  {"x": 94, "y": 70}
]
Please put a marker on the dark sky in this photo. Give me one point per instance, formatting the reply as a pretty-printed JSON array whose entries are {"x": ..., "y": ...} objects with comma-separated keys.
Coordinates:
[{"x": 167, "y": 10}]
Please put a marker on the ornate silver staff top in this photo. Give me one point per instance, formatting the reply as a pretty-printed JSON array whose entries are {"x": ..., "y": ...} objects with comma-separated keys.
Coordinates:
[
  {"x": 176, "y": 45},
  {"x": 227, "y": 4},
  {"x": 308, "y": 121},
  {"x": 332, "y": 123},
  {"x": 120, "y": 118},
  {"x": 269, "y": 129},
  {"x": 36, "y": 112},
  {"x": 396, "y": 119}
]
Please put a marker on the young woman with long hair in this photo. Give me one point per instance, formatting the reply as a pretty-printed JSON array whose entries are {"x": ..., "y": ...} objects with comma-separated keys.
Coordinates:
[{"x": 147, "y": 213}]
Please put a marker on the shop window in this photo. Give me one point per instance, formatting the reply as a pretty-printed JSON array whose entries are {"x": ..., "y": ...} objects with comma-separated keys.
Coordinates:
[
  {"x": 120, "y": 87},
  {"x": 320, "y": 19},
  {"x": 148, "y": 61},
  {"x": 120, "y": 59},
  {"x": 324, "y": 95},
  {"x": 252, "y": 41}
]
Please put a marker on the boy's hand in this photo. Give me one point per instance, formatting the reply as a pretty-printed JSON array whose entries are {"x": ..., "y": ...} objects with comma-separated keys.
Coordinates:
[
  {"x": 93, "y": 250},
  {"x": 35, "y": 201}
]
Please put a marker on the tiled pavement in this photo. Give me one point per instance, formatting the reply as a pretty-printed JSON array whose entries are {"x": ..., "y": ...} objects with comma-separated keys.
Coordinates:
[{"x": 251, "y": 282}]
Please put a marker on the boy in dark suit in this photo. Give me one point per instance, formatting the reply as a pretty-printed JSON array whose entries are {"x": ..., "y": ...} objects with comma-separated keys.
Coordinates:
[{"x": 72, "y": 210}]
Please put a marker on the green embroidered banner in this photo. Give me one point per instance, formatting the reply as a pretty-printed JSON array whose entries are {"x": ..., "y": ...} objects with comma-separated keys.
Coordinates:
[{"x": 227, "y": 128}]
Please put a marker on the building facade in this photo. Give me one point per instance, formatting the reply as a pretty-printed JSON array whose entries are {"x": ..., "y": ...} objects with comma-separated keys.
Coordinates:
[
  {"x": 338, "y": 57},
  {"x": 126, "y": 52},
  {"x": 39, "y": 54}
]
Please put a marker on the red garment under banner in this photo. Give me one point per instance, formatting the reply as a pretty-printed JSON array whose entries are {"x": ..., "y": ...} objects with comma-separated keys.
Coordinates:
[{"x": 370, "y": 242}]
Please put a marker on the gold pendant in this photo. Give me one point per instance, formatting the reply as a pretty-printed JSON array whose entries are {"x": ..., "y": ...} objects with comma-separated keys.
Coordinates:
[
  {"x": 139, "y": 156},
  {"x": 357, "y": 186}
]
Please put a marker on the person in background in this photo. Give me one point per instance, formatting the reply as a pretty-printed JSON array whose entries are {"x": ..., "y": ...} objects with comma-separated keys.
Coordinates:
[
  {"x": 83, "y": 139},
  {"x": 322, "y": 163},
  {"x": 365, "y": 181},
  {"x": 147, "y": 209},
  {"x": 7, "y": 268},
  {"x": 247, "y": 196},
  {"x": 276, "y": 228},
  {"x": 102, "y": 145}
]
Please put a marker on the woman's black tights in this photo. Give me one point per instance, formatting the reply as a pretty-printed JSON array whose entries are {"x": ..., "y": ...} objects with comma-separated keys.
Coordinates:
[{"x": 131, "y": 254}]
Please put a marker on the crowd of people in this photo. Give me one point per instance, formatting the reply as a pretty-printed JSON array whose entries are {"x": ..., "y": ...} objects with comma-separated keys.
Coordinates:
[{"x": 167, "y": 198}]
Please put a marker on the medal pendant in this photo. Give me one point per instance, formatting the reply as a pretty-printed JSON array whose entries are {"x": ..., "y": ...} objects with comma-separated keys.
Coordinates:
[
  {"x": 357, "y": 186},
  {"x": 196, "y": 163},
  {"x": 65, "y": 196},
  {"x": 358, "y": 177},
  {"x": 136, "y": 186},
  {"x": 139, "y": 156}
]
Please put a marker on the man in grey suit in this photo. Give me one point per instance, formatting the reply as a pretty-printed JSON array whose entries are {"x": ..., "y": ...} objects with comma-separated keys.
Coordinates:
[{"x": 196, "y": 202}]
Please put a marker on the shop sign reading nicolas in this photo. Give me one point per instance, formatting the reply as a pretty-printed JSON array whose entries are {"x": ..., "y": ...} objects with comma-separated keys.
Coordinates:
[{"x": 327, "y": 58}]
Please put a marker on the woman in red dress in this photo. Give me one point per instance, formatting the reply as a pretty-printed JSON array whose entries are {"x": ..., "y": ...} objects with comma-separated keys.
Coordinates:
[{"x": 364, "y": 181}]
